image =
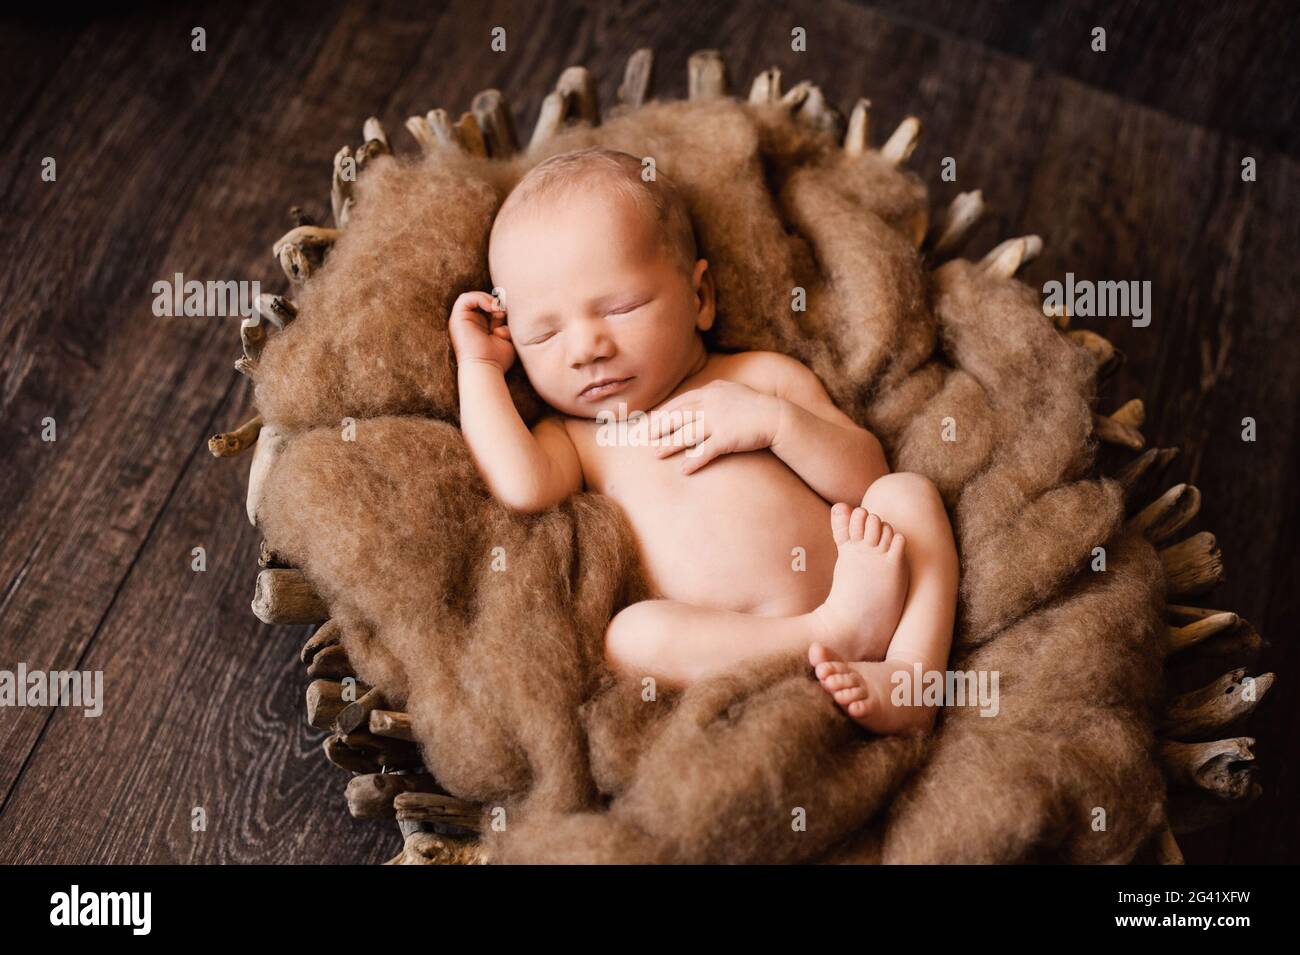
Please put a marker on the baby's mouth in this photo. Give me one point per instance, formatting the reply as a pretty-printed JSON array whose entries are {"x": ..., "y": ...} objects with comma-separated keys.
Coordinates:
[{"x": 604, "y": 387}]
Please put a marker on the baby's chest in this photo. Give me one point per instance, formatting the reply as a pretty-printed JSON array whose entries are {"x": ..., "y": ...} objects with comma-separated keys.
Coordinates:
[{"x": 622, "y": 462}]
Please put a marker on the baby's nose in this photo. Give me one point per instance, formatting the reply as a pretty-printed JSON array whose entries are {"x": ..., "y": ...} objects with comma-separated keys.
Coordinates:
[{"x": 589, "y": 344}]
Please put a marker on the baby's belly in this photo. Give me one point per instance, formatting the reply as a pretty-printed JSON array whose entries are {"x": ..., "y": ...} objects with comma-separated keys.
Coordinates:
[{"x": 743, "y": 533}]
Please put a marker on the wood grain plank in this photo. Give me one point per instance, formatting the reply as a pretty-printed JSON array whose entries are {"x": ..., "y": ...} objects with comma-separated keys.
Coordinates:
[
  {"x": 195, "y": 162},
  {"x": 1225, "y": 66}
]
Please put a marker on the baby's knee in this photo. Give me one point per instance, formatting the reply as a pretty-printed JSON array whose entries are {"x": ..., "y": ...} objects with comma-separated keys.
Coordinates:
[
  {"x": 630, "y": 636},
  {"x": 903, "y": 492}
]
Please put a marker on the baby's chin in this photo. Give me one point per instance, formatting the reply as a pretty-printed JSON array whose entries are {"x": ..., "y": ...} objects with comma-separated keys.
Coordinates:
[{"x": 618, "y": 406}]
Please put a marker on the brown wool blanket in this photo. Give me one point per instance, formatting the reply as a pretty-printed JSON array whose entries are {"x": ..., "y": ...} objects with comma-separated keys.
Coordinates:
[{"x": 500, "y": 665}]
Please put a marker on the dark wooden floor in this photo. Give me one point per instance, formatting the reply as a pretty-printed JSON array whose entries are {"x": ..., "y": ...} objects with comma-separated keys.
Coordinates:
[{"x": 174, "y": 161}]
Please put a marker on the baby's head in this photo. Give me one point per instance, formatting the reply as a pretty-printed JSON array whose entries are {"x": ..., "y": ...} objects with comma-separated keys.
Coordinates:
[{"x": 598, "y": 273}]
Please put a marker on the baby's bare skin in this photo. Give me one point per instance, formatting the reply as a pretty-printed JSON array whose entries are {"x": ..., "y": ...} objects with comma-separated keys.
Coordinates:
[
  {"x": 724, "y": 536},
  {"x": 744, "y": 534},
  {"x": 733, "y": 516}
]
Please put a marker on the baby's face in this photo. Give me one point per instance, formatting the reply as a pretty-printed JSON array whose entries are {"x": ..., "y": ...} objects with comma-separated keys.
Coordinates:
[{"x": 592, "y": 297}]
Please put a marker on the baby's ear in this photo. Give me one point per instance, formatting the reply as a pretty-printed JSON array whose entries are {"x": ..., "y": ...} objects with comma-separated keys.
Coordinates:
[{"x": 705, "y": 296}]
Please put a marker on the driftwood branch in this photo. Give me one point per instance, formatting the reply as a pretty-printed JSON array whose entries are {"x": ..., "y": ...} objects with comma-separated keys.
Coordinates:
[
  {"x": 375, "y": 145},
  {"x": 276, "y": 309},
  {"x": 387, "y": 753},
  {"x": 549, "y": 118},
  {"x": 1222, "y": 767},
  {"x": 1168, "y": 514},
  {"x": 331, "y": 663},
  {"x": 766, "y": 88},
  {"x": 1189, "y": 635},
  {"x": 1132, "y": 413},
  {"x": 327, "y": 635},
  {"x": 356, "y": 715},
  {"x": 1112, "y": 431},
  {"x": 951, "y": 230},
  {"x": 1204, "y": 713},
  {"x": 793, "y": 98},
  {"x": 706, "y": 73},
  {"x": 301, "y": 251},
  {"x": 371, "y": 796},
  {"x": 284, "y": 596},
  {"x": 326, "y": 699},
  {"x": 816, "y": 113},
  {"x": 230, "y": 443},
  {"x": 857, "y": 138},
  {"x": 426, "y": 848},
  {"x": 497, "y": 125},
  {"x": 341, "y": 184},
  {"x": 269, "y": 558},
  {"x": 252, "y": 338},
  {"x": 1146, "y": 466},
  {"x": 1239, "y": 646},
  {"x": 1193, "y": 566},
  {"x": 1106, "y": 355},
  {"x": 1006, "y": 258},
  {"x": 579, "y": 90},
  {"x": 438, "y": 808},
  {"x": 903, "y": 141},
  {"x": 470, "y": 135},
  {"x": 638, "y": 79},
  {"x": 344, "y": 757},
  {"x": 391, "y": 723}
]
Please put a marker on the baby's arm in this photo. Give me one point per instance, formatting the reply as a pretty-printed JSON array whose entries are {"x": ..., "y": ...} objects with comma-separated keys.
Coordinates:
[
  {"x": 818, "y": 441},
  {"x": 526, "y": 471}
]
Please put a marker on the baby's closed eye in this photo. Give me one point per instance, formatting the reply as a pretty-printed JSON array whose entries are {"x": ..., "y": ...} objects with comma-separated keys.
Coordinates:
[{"x": 629, "y": 306}]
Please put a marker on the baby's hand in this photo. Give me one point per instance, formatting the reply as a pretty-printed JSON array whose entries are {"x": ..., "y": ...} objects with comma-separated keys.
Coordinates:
[
  {"x": 723, "y": 417},
  {"x": 479, "y": 332}
]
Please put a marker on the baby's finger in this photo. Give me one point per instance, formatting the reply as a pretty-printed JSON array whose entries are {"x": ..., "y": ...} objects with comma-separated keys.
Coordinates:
[
  {"x": 689, "y": 434},
  {"x": 662, "y": 417},
  {"x": 670, "y": 444},
  {"x": 486, "y": 303},
  {"x": 700, "y": 455}
]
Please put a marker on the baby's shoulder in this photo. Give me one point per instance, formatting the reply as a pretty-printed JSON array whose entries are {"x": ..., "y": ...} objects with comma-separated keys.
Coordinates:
[{"x": 760, "y": 370}]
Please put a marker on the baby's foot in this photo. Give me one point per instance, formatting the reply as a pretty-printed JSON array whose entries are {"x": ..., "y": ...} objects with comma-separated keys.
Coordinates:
[
  {"x": 863, "y": 691},
  {"x": 868, "y": 588},
  {"x": 846, "y": 683}
]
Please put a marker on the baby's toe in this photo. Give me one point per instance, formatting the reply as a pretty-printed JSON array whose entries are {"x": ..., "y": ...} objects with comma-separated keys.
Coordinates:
[
  {"x": 857, "y": 523},
  {"x": 840, "y": 681},
  {"x": 871, "y": 535},
  {"x": 897, "y": 545},
  {"x": 886, "y": 535},
  {"x": 840, "y": 523},
  {"x": 850, "y": 694},
  {"x": 819, "y": 654}
]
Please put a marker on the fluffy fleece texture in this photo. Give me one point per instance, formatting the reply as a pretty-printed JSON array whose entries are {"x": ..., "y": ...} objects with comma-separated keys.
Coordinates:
[{"x": 502, "y": 671}]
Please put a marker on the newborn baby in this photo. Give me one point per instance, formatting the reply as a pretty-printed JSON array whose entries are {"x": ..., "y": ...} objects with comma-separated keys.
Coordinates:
[{"x": 737, "y": 497}]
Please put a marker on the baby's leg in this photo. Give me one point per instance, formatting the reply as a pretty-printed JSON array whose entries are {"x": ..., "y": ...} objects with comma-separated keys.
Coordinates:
[
  {"x": 678, "y": 644},
  {"x": 913, "y": 506}
]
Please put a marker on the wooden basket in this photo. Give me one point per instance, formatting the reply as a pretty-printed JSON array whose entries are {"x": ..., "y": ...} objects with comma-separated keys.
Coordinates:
[{"x": 1209, "y": 773}]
